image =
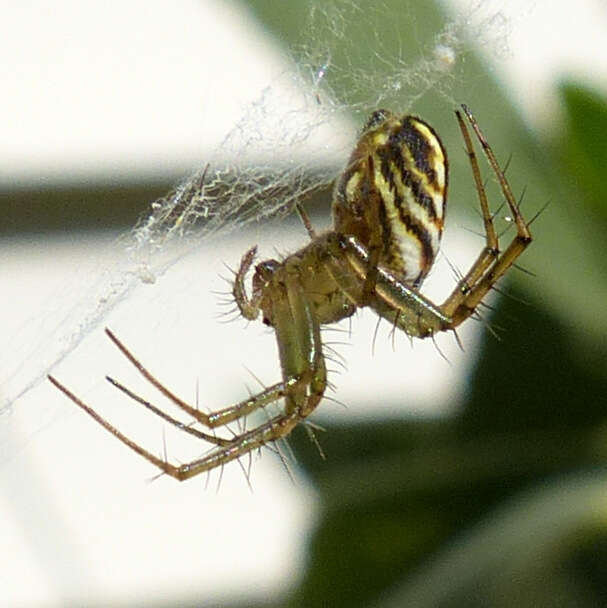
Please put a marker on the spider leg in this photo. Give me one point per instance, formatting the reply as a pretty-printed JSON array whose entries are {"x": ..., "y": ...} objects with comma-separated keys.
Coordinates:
[
  {"x": 232, "y": 449},
  {"x": 490, "y": 265},
  {"x": 210, "y": 461},
  {"x": 299, "y": 343},
  {"x": 490, "y": 251},
  {"x": 213, "y": 419},
  {"x": 305, "y": 220},
  {"x": 400, "y": 304},
  {"x": 187, "y": 428},
  {"x": 303, "y": 368},
  {"x": 303, "y": 385},
  {"x": 161, "y": 464}
]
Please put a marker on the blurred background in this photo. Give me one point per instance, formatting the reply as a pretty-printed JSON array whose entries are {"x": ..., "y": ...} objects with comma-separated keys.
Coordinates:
[{"x": 449, "y": 478}]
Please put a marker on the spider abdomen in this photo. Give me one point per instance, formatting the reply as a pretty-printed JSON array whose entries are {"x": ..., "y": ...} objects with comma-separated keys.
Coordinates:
[{"x": 392, "y": 194}]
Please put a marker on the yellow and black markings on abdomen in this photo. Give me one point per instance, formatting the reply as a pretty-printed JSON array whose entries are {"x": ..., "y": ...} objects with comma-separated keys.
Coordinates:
[{"x": 402, "y": 161}]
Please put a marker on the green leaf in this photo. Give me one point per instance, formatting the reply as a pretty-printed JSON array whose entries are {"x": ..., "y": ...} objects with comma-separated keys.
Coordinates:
[{"x": 583, "y": 143}]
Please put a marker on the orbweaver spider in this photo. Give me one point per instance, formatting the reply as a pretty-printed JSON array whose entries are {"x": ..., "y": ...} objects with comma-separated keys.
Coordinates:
[{"x": 388, "y": 213}]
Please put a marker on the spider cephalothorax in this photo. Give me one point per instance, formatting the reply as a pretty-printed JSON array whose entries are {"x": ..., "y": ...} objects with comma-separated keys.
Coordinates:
[{"x": 388, "y": 211}]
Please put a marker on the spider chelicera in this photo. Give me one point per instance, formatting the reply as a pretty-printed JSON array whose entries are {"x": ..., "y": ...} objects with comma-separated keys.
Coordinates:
[{"x": 388, "y": 213}]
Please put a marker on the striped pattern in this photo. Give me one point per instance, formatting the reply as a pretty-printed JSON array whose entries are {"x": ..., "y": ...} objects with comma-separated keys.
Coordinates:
[{"x": 392, "y": 194}]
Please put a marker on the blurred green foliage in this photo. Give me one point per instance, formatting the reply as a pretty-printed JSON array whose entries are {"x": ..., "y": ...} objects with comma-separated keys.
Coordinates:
[{"x": 584, "y": 146}]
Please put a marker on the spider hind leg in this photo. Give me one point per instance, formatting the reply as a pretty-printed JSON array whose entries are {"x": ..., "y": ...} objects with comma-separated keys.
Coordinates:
[{"x": 491, "y": 264}]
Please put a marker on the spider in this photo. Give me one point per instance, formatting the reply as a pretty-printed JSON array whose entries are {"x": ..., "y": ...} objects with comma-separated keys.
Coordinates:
[{"x": 388, "y": 214}]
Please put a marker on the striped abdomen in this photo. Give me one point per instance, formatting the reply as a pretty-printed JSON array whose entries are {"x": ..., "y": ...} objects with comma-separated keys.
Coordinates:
[{"x": 392, "y": 194}]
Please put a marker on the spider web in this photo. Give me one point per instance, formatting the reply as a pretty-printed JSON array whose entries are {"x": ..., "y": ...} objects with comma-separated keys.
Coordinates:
[{"x": 277, "y": 153}]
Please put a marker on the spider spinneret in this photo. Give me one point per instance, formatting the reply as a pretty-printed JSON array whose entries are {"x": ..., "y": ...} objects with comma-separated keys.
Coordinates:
[{"x": 388, "y": 216}]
